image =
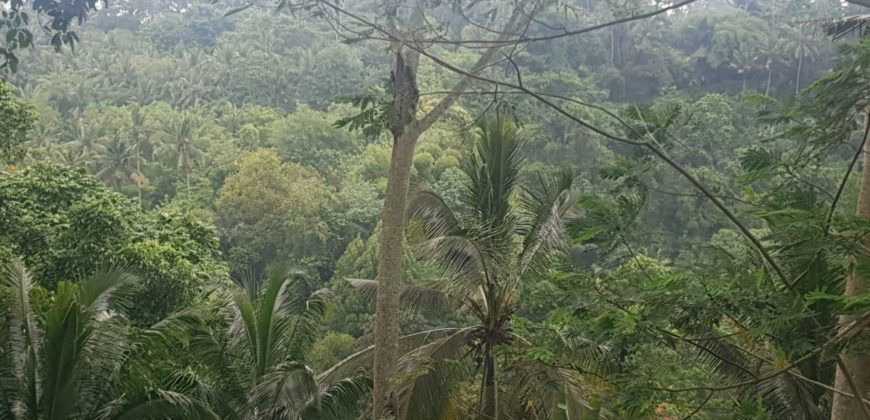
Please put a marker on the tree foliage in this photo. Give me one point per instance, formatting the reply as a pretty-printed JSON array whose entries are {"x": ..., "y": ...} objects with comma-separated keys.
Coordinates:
[
  {"x": 65, "y": 224},
  {"x": 560, "y": 260}
]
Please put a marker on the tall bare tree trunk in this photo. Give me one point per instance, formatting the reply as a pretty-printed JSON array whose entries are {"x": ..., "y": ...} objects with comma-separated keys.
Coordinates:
[
  {"x": 797, "y": 81},
  {"x": 771, "y": 28},
  {"x": 390, "y": 268},
  {"x": 613, "y": 46},
  {"x": 489, "y": 392},
  {"x": 390, "y": 272},
  {"x": 139, "y": 171},
  {"x": 853, "y": 371}
]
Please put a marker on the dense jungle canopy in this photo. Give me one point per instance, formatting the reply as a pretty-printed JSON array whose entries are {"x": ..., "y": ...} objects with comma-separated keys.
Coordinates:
[{"x": 434, "y": 209}]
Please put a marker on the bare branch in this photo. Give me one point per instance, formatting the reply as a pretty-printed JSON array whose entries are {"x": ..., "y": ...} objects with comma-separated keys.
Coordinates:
[
  {"x": 516, "y": 69},
  {"x": 463, "y": 84},
  {"x": 864, "y": 3},
  {"x": 848, "y": 172},
  {"x": 512, "y": 38},
  {"x": 564, "y": 32}
]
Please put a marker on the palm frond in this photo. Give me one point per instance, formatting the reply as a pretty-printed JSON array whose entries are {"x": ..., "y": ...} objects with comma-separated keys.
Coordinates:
[
  {"x": 166, "y": 404},
  {"x": 104, "y": 350},
  {"x": 305, "y": 326},
  {"x": 422, "y": 299},
  {"x": 585, "y": 356},
  {"x": 786, "y": 396},
  {"x": 493, "y": 172},
  {"x": 20, "y": 340},
  {"x": 723, "y": 359},
  {"x": 271, "y": 321},
  {"x": 350, "y": 366},
  {"x": 361, "y": 361},
  {"x": 284, "y": 391},
  {"x": 243, "y": 332},
  {"x": 460, "y": 255},
  {"x": 532, "y": 393},
  {"x": 176, "y": 327},
  {"x": 275, "y": 322},
  {"x": 105, "y": 285},
  {"x": 340, "y": 399},
  {"x": 544, "y": 210},
  {"x": 426, "y": 377},
  {"x": 304, "y": 311},
  {"x": 84, "y": 344},
  {"x": 432, "y": 211},
  {"x": 848, "y": 26},
  {"x": 534, "y": 386}
]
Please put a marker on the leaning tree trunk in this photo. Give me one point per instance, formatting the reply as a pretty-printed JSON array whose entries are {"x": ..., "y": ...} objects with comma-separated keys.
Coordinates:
[{"x": 853, "y": 367}]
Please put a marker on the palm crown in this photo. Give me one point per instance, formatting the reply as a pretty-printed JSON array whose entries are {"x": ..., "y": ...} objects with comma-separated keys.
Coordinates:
[
  {"x": 273, "y": 324},
  {"x": 70, "y": 361}
]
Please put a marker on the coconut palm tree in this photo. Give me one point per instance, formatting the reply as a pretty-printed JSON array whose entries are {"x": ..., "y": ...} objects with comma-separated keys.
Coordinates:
[
  {"x": 43, "y": 136},
  {"x": 772, "y": 50},
  {"x": 490, "y": 246},
  {"x": 191, "y": 91},
  {"x": 801, "y": 46},
  {"x": 81, "y": 132},
  {"x": 75, "y": 94},
  {"x": 72, "y": 154},
  {"x": 139, "y": 132},
  {"x": 118, "y": 162},
  {"x": 67, "y": 362},
  {"x": 273, "y": 324},
  {"x": 503, "y": 235},
  {"x": 145, "y": 91},
  {"x": 178, "y": 145},
  {"x": 743, "y": 59}
]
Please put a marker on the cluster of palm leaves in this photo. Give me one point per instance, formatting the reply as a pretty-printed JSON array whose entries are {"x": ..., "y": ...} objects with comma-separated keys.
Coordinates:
[
  {"x": 66, "y": 361},
  {"x": 123, "y": 149},
  {"x": 74, "y": 355},
  {"x": 273, "y": 324}
]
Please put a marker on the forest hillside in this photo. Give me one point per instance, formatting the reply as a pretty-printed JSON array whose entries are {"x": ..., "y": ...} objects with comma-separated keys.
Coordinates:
[{"x": 433, "y": 209}]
